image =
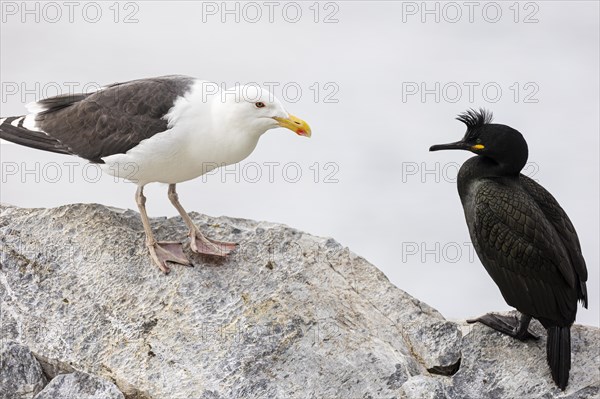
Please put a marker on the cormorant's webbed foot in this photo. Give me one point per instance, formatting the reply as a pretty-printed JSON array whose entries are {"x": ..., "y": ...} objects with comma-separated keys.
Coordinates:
[{"x": 509, "y": 325}]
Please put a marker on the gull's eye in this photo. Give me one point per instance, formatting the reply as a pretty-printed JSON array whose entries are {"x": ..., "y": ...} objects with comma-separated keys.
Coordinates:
[{"x": 259, "y": 104}]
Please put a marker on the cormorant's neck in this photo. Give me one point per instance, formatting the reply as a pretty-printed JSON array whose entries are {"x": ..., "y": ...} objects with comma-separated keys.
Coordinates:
[
  {"x": 480, "y": 167},
  {"x": 484, "y": 166},
  {"x": 492, "y": 168}
]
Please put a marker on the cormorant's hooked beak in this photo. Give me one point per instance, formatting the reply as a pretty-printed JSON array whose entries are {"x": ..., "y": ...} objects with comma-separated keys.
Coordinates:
[
  {"x": 458, "y": 145},
  {"x": 295, "y": 124}
]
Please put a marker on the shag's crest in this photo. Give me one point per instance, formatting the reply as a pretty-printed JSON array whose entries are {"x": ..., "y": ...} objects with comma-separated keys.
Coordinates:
[{"x": 475, "y": 119}]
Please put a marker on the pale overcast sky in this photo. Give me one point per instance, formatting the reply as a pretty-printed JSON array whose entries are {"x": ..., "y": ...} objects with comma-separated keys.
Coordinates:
[{"x": 379, "y": 82}]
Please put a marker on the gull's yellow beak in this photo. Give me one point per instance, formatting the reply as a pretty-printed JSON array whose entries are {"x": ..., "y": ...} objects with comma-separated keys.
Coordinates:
[{"x": 295, "y": 124}]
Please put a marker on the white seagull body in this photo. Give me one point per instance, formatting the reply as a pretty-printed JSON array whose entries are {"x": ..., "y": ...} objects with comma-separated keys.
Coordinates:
[
  {"x": 167, "y": 129},
  {"x": 201, "y": 137}
]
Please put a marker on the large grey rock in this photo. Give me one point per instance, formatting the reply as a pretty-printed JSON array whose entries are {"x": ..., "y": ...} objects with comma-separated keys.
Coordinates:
[
  {"x": 21, "y": 375},
  {"x": 288, "y": 315},
  {"x": 79, "y": 385}
]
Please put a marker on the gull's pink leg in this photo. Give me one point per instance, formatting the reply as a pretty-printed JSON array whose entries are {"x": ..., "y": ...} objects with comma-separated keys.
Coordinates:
[
  {"x": 160, "y": 252},
  {"x": 199, "y": 243}
]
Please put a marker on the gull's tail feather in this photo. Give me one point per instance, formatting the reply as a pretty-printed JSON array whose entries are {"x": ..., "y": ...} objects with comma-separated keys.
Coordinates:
[{"x": 12, "y": 129}]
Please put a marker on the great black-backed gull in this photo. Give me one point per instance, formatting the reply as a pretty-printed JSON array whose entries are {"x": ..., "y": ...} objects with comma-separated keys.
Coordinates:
[{"x": 167, "y": 129}]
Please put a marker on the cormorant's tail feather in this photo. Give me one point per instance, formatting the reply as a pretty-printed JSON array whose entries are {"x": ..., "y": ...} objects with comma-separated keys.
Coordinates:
[
  {"x": 558, "y": 351},
  {"x": 583, "y": 296},
  {"x": 11, "y": 129}
]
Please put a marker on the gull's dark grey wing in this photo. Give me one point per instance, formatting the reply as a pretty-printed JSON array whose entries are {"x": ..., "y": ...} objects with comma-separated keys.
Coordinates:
[{"x": 109, "y": 121}]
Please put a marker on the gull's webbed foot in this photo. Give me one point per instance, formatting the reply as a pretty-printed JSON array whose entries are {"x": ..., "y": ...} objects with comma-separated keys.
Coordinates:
[
  {"x": 207, "y": 246},
  {"x": 167, "y": 251}
]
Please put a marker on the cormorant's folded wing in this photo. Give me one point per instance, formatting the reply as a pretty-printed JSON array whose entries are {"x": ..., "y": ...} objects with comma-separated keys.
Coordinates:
[
  {"x": 523, "y": 253},
  {"x": 561, "y": 222}
]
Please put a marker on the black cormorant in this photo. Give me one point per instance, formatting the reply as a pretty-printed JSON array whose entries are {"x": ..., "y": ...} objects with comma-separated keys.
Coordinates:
[{"x": 522, "y": 236}]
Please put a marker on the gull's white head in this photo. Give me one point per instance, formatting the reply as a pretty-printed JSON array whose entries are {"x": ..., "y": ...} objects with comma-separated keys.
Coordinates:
[{"x": 255, "y": 110}]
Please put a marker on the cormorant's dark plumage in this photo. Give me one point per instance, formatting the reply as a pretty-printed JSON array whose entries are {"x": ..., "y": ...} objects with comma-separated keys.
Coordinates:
[{"x": 522, "y": 236}]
